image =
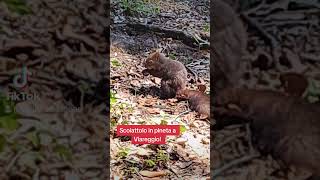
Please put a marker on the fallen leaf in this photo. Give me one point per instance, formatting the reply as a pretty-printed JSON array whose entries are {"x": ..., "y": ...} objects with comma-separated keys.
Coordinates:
[
  {"x": 205, "y": 141},
  {"x": 144, "y": 152},
  {"x": 156, "y": 80},
  {"x": 147, "y": 102},
  {"x": 173, "y": 100},
  {"x": 152, "y": 174},
  {"x": 131, "y": 72},
  {"x": 181, "y": 141},
  {"x": 156, "y": 178},
  {"x": 153, "y": 110}
]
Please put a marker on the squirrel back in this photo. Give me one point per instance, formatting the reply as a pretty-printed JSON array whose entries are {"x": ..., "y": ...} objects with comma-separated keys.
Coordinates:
[
  {"x": 160, "y": 66},
  {"x": 173, "y": 73},
  {"x": 198, "y": 100}
]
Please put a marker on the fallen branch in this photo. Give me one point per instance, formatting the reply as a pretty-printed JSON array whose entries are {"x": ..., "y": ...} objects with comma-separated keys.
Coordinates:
[
  {"x": 193, "y": 73},
  {"x": 244, "y": 159},
  {"x": 310, "y": 57},
  {"x": 201, "y": 41},
  {"x": 230, "y": 139}
]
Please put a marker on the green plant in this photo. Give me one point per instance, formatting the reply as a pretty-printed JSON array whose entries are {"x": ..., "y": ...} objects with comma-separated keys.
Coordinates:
[
  {"x": 113, "y": 99},
  {"x": 17, "y": 6},
  {"x": 3, "y": 142},
  {"x": 123, "y": 153},
  {"x": 139, "y": 7},
  {"x": 172, "y": 56},
  {"x": 206, "y": 28},
  {"x": 150, "y": 163},
  {"x": 118, "y": 108},
  {"x": 312, "y": 92},
  {"x": 34, "y": 138},
  {"x": 162, "y": 156},
  {"x": 113, "y": 123},
  {"x": 8, "y": 116},
  {"x": 115, "y": 62},
  {"x": 63, "y": 151},
  {"x": 182, "y": 129}
]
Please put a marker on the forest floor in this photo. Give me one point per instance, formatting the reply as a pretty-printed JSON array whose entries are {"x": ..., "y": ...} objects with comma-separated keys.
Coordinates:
[
  {"x": 283, "y": 36},
  {"x": 56, "y": 132},
  {"x": 186, "y": 156}
]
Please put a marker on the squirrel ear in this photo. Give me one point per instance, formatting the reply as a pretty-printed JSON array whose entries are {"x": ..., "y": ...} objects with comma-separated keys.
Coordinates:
[
  {"x": 156, "y": 56},
  {"x": 202, "y": 88},
  {"x": 159, "y": 50}
]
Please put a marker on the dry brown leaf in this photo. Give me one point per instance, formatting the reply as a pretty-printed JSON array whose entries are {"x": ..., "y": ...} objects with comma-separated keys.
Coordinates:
[
  {"x": 153, "y": 110},
  {"x": 181, "y": 141},
  {"x": 156, "y": 178},
  {"x": 173, "y": 100},
  {"x": 152, "y": 173},
  {"x": 148, "y": 102},
  {"x": 156, "y": 80},
  {"x": 205, "y": 141}
]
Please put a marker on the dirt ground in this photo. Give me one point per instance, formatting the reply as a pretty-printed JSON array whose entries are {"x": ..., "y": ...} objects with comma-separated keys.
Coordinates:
[
  {"x": 188, "y": 156},
  {"x": 56, "y": 132}
]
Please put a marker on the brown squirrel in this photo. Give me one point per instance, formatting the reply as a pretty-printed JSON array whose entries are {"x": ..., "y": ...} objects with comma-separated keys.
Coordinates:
[
  {"x": 229, "y": 43},
  {"x": 173, "y": 74},
  {"x": 199, "y": 101},
  {"x": 285, "y": 126}
]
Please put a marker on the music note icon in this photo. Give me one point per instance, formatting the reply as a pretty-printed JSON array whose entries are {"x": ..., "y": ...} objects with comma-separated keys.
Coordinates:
[{"x": 20, "y": 80}]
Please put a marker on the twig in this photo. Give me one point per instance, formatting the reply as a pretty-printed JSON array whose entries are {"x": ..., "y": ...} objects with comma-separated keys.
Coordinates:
[
  {"x": 244, "y": 159},
  {"x": 138, "y": 174},
  {"x": 179, "y": 115},
  {"x": 193, "y": 73},
  {"x": 310, "y": 57},
  {"x": 14, "y": 159},
  {"x": 229, "y": 139},
  {"x": 170, "y": 169},
  {"x": 251, "y": 150},
  {"x": 273, "y": 42}
]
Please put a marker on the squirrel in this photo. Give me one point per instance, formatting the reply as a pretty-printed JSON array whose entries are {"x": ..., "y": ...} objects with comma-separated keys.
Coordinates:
[
  {"x": 173, "y": 73},
  {"x": 230, "y": 42},
  {"x": 199, "y": 101},
  {"x": 285, "y": 126}
]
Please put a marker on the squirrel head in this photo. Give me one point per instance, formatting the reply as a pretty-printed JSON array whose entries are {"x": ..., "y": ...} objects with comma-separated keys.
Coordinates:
[{"x": 152, "y": 61}]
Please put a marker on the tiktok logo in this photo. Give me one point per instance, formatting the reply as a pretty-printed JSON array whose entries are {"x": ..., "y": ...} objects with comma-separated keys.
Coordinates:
[{"x": 20, "y": 80}]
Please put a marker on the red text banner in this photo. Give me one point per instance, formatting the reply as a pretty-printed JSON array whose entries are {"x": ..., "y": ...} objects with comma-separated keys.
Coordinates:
[{"x": 148, "y": 134}]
